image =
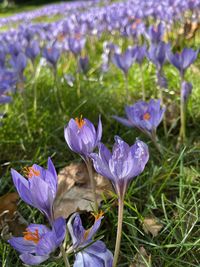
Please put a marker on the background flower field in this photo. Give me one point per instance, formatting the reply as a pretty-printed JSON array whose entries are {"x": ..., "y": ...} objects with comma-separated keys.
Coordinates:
[{"x": 46, "y": 95}]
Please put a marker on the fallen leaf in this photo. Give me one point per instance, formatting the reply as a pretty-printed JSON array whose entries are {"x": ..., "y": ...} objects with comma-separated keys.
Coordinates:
[
  {"x": 11, "y": 221},
  {"x": 8, "y": 205},
  {"x": 151, "y": 225},
  {"x": 142, "y": 259},
  {"x": 74, "y": 190}
]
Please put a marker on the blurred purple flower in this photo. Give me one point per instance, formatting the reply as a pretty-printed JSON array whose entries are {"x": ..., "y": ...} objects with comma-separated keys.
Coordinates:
[
  {"x": 32, "y": 50},
  {"x": 123, "y": 164},
  {"x": 157, "y": 54},
  {"x": 51, "y": 54},
  {"x": 82, "y": 137},
  {"x": 144, "y": 116},
  {"x": 186, "y": 90},
  {"x": 139, "y": 53},
  {"x": 40, "y": 189},
  {"x": 19, "y": 64},
  {"x": 83, "y": 64},
  {"x": 39, "y": 241},
  {"x": 76, "y": 44},
  {"x": 155, "y": 33},
  {"x": 124, "y": 60},
  {"x": 95, "y": 254},
  {"x": 183, "y": 60}
]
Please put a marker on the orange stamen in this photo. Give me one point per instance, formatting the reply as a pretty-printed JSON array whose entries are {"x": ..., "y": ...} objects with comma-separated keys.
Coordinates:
[
  {"x": 30, "y": 172},
  {"x": 98, "y": 216},
  {"x": 32, "y": 236},
  {"x": 80, "y": 122},
  {"x": 146, "y": 116}
]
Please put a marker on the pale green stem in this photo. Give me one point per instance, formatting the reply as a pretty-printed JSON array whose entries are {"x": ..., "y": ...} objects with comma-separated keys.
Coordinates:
[
  {"x": 182, "y": 115},
  {"x": 154, "y": 139},
  {"x": 119, "y": 230},
  {"x": 64, "y": 255},
  {"x": 126, "y": 86},
  {"x": 92, "y": 182},
  {"x": 162, "y": 104}
]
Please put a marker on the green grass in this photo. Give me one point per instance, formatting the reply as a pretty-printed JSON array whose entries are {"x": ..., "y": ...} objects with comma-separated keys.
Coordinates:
[{"x": 168, "y": 188}]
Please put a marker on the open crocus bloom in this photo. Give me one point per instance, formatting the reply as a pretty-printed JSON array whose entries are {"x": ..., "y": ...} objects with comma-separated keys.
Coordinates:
[
  {"x": 39, "y": 241},
  {"x": 92, "y": 255},
  {"x": 81, "y": 136},
  {"x": 144, "y": 116},
  {"x": 40, "y": 187},
  {"x": 182, "y": 60},
  {"x": 123, "y": 164}
]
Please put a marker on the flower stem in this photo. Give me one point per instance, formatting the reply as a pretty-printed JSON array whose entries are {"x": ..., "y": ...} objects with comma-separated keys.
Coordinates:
[
  {"x": 126, "y": 86},
  {"x": 64, "y": 255},
  {"x": 182, "y": 116},
  {"x": 119, "y": 230},
  {"x": 92, "y": 182},
  {"x": 142, "y": 79}
]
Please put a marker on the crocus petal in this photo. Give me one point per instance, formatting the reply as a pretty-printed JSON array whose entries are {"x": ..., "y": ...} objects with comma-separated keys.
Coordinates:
[
  {"x": 123, "y": 121},
  {"x": 33, "y": 260},
  {"x": 22, "y": 245},
  {"x": 22, "y": 187}
]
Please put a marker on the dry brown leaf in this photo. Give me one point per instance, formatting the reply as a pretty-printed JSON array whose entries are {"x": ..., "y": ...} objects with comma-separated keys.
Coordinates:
[
  {"x": 74, "y": 191},
  {"x": 142, "y": 259},
  {"x": 8, "y": 204},
  {"x": 151, "y": 225},
  {"x": 11, "y": 221}
]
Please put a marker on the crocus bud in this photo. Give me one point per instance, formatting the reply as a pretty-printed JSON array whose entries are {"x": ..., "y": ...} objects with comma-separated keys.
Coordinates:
[
  {"x": 186, "y": 90},
  {"x": 82, "y": 137}
]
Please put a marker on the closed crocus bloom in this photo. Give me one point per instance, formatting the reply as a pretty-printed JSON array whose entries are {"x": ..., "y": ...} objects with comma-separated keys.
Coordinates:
[
  {"x": 123, "y": 164},
  {"x": 83, "y": 64},
  {"x": 82, "y": 137},
  {"x": 183, "y": 60},
  {"x": 186, "y": 91},
  {"x": 124, "y": 60},
  {"x": 95, "y": 254},
  {"x": 157, "y": 54},
  {"x": 51, "y": 54},
  {"x": 40, "y": 187},
  {"x": 33, "y": 50},
  {"x": 139, "y": 53},
  {"x": 39, "y": 241},
  {"x": 19, "y": 64},
  {"x": 155, "y": 33},
  {"x": 144, "y": 116},
  {"x": 76, "y": 44}
]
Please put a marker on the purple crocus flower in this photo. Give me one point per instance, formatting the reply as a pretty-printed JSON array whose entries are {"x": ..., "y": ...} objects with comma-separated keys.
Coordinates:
[
  {"x": 157, "y": 54},
  {"x": 82, "y": 137},
  {"x": 83, "y": 64},
  {"x": 123, "y": 164},
  {"x": 144, "y": 116},
  {"x": 52, "y": 55},
  {"x": 183, "y": 60},
  {"x": 156, "y": 33},
  {"x": 76, "y": 44},
  {"x": 19, "y": 64},
  {"x": 186, "y": 90},
  {"x": 95, "y": 254},
  {"x": 39, "y": 190},
  {"x": 32, "y": 50},
  {"x": 124, "y": 60},
  {"x": 139, "y": 53},
  {"x": 7, "y": 80},
  {"x": 39, "y": 241}
]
